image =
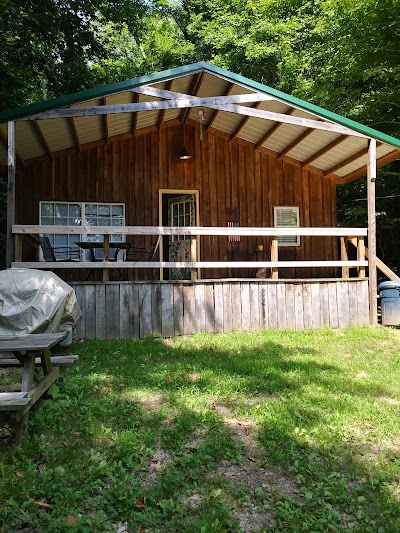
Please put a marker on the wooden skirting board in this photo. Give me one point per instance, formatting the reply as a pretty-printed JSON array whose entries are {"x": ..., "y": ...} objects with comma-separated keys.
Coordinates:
[{"x": 118, "y": 310}]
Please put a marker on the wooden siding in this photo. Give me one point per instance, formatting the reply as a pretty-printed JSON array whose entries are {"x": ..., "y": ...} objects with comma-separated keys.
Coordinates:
[
  {"x": 137, "y": 309},
  {"x": 230, "y": 177}
]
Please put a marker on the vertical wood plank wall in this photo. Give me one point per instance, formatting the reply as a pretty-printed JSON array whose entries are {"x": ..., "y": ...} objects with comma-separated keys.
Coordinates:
[
  {"x": 136, "y": 309},
  {"x": 230, "y": 176}
]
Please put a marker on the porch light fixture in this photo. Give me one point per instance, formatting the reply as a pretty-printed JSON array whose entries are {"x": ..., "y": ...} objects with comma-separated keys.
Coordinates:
[{"x": 184, "y": 154}]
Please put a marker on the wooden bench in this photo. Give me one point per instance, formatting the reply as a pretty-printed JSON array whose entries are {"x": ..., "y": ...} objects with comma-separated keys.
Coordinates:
[
  {"x": 30, "y": 352},
  {"x": 62, "y": 361},
  {"x": 13, "y": 401}
]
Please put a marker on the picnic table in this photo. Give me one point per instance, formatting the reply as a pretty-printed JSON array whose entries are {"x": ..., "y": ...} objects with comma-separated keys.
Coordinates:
[{"x": 30, "y": 352}]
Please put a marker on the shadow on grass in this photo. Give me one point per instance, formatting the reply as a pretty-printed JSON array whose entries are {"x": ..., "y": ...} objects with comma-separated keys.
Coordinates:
[{"x": 94, "y": 449}]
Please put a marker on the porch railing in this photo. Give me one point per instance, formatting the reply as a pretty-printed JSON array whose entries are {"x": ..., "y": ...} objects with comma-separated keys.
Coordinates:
[{"x": 355, "y": 235}]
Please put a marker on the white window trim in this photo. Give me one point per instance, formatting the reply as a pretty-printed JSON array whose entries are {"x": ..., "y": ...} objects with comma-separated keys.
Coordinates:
[
  {"x": 84, "y": 237},
  {"x": 297, "y": 210}
]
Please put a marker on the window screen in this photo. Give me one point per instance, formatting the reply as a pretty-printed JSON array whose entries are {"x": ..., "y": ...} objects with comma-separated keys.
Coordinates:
[
  {"x": 287, "y": 217},
  {"x": 81, "y": 214}
]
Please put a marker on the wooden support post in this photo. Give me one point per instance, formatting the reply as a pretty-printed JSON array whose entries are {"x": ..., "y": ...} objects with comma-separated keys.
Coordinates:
[
  {"x": 344, "y": 256},
  {"x": 106, "y": 253},
  {"x": 193, "y": 256},
  {"x": 17, "y": 246},
  {"x": 27, "y": 381},
  {"x": 371, "y": 178},
  {"x": 361, "y": 256},
  {"x": 10, "y": 193},
  {"x": 274, "y": 257}
]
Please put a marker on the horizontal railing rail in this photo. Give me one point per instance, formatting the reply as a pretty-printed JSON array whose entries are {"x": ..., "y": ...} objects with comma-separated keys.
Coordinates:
[
  {"x": 356, "y": 234},
  {"x": 189, "y": 230}
]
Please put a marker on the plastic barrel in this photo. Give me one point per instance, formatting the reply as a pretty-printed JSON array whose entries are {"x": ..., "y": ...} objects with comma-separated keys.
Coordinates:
[{"x": 389, "y": 292}]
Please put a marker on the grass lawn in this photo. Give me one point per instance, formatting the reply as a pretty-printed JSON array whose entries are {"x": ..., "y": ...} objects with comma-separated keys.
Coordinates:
[{"x": 279, "y": 430}]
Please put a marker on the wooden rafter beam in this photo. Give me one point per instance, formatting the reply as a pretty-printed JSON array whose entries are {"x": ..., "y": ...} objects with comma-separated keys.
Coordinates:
[
  {"x": 295, "y": 143},
  {"x": 105, "y": 121},
  {"x": 222, "y": 103},
  {"x": 243, "y": 124},
  {"x": 3, "y": 139},
  {"x": 75, "y": 133},
  {"x": 381, "y": 162},
  {"x": 194, "y": 90},
  {"x": 272, "y": 130},
  {"x": 161, "y": 113},
  {"x": 213, "y": 118},
  {"x": 348, "y": 160},
  {"x": 223, "y": 99},
  {"x": 324, "y": 150},
  {"x": 42, "y": 138},
  {"x": 134, "y": 115}
]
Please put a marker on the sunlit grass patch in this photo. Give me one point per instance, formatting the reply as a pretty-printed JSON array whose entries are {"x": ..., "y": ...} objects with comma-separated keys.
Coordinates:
[{"x": 275, "y": 430}]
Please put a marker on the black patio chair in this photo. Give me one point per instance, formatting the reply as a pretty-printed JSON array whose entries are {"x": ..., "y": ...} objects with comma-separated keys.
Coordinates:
[
  {"x": 53, "y": 253},
  {"x": 141, "y": 254}
]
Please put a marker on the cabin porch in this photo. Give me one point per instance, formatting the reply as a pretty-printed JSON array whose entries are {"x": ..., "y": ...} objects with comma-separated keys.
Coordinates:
[
  {"x": 232, "y": 300},
  {"x": 118, "y": 310}
]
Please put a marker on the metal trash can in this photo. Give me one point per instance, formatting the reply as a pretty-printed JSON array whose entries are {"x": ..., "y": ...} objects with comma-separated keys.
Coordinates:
[{"x": 389, "y": 292}]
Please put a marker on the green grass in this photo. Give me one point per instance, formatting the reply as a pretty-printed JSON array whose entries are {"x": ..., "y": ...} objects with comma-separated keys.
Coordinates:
[{"x": 278, "y": 430}]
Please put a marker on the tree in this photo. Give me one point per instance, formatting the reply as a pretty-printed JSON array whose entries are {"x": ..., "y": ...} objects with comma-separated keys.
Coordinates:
[{"x": 48, "y": 46}]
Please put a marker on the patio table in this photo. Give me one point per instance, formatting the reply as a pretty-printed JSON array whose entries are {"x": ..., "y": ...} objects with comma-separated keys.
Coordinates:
[
  {"x": 96, "y": 245},
  {"x": 30, "y": 352}
]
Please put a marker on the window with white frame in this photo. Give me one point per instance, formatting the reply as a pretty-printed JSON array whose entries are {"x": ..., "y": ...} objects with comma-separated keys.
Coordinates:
[
  {"x": 81, "y": 214},
  {"x": 287, "y": 217}
]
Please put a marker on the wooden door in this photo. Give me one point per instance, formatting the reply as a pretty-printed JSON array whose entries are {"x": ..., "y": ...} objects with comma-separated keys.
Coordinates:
[{"x": 181, "y": 212}]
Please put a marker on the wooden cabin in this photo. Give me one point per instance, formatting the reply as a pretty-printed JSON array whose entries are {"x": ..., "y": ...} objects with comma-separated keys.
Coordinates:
[{"x": 193, "y": 199}]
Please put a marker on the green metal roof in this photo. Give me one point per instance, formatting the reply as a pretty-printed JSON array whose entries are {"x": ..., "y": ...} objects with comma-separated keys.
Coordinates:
[{"x": 186, "y": 70}]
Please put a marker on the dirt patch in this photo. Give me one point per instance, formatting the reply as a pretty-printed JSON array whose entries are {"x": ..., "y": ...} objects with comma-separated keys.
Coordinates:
[
  {"x": 157, "y": 463},
  {"x": 192, "y": 500},
  {"x": 243, "y": 430},
  {"x": 391, "y": 401},
  {"x": 251, "y": 519},
  {"x": 196, "y": 441},
  {"x": 12, "y": 387},
  {"x": 251, "y": 474},
  {"x": 9, "y": 378},
  {"x": 362, "y": 375},
  {"x": 151, "y": 401}
]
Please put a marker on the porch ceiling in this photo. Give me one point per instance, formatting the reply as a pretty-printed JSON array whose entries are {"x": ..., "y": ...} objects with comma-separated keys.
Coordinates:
[{"x": 338, "y": 154}]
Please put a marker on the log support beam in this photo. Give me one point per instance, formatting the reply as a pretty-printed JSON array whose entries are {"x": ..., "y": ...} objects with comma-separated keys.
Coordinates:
[
  {"x": 10, "y": 193},
  {"x": 371, "y": 179}
]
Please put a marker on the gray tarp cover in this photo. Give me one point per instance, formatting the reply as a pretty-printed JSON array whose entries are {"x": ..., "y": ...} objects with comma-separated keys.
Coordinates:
[{"x": 34, "y": 301}]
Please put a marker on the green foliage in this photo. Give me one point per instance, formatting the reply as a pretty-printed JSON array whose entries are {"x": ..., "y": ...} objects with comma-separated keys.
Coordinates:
[
  {"x": 47, "y": 46},
  {"x": 340, "y": 54}
]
